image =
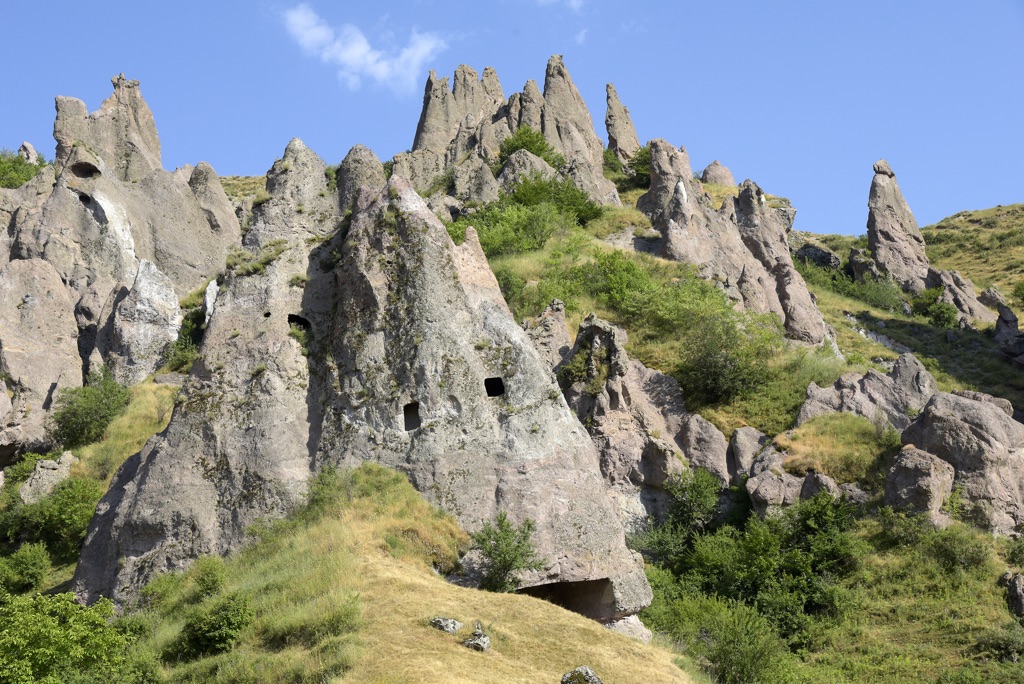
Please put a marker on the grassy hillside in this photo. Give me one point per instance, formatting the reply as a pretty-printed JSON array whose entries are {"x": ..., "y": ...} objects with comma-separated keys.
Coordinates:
[{"x": 986, "y": 245}]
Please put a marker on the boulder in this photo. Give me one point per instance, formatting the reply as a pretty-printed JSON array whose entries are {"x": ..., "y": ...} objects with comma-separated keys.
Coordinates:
[
  {"x": 745, "y": 445},
  {"x": 892, "y": 397},
  {"x": 717, "y": 174},
  {"x": 359, "y": 169},
  {"x": 992, "y": 298},
  {"x": 632, "y": 627},
  {"x": 1003, "y": 405},
  {"x": 862, "y": 268},
  {"x": 28, "y": 153},
  {"x": 819, "y": 255},
  {"x": 985, "y": 446},
  {"x": 959, "y": 292},
  {"x": 550, "y": 334},
  {"x": 918, "y": 481},
  {"x": 45, "y": 477},
  {"x": 581, "y": 675},
  {"x": 894, "y": 239},
  {"x": 473, "y": 180},
  {"x": 622, "y": 139},
  {"x": 770, "y": 487},
  {"x": 145, "y": 324},
  {"x": 38, "y": 352},
  {"x": 590, "y": 179},
  {"x": 1014, "y": 583},
  {"x": 521, "y": 165},
  {"x": 478, "y": 642},
  {"x": 742, "y": 247},
  {"x": 449, "y": 625}
]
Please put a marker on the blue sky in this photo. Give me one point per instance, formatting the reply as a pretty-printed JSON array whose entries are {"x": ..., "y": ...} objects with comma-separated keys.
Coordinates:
[{"x": 801, "y": 97}]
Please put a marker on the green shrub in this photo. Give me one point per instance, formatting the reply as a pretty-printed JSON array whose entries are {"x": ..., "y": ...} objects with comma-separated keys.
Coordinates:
[
  {"x": 507, "y": 549},
  {"x": 922, "y": 302},
  {"x": 60, "y": 520},
  {"x": 562, "y": 193},
  {"x": 742, "y": 648},
  {"x": 611, "y": 162},
  {"x": 1005, "y": 644},
  {"x": 82, "y": 414},
  {"x": 26, "y": 569},
  {"x": 640, "y": 166},
  {"x": 209, "y": 574},
  {"x": 1015, "y": 552},
  {"x": 214, "y": 628},
  {"x": 185, "y": 350},
  {"x": 958, "y": 550},
  {"x": 883, "y": 294},
  {"x": 901, "y": 529},
  {"x": 1017, "y": 294},
  {"x": 943, "y": 315},
  {"x": 526, "y": 138},
  {"x": 54, "y": 639},
  {"x": 694, "y": 495},
  {"x": 15, "y": 171}
]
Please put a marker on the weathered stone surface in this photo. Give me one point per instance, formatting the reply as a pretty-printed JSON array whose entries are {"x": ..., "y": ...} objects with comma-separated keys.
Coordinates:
[
  {"x": 743, "y": 247},
  {"x": 122, "y": 132},
  {"x": 28, "y": 153},
  {"x": 590, "y": 179},
  {"x": 145, "y": 324},
  {"x": 45, "y": 477},
  {"x": 718, "y": 174},
  {"x": 581, "y": 675},
  {"x": 985, "y": 447},
  {"x": 549, "y": 334},
  {"x": 862, "y": 268},
  {"x": 890, "y": 397},
  {"x": 1004, "y": 405},
  {"x": 992, "y": 298},
  {"x": 359, "y": 169},
  {"x": 893, "y": 236},
  {"x": 38, "y": 351},
  {"x": 449, "y": 625},
  {"x": 214, "y": 202},
  {"x": 815, "y": 483},
  {"x": 210, "y": 300},
  {"x": 521, "y": 165},
  {"x": 240, "y": 444},
  {"x": 744, "y": 447},
  {"x": 566, "y": 122},
  {"x": 622, "y": 139},
  {"x": 959, "y": 292},
  {"x": 819, "y": 255},
  {"x": 918, "y": 481},
  {"x": 770, "y": 487},
  {"x": 632, "y": 627},
  {"x": 473, "y": 179},
  {"x": 420, "y": 167},
  {"x": 478, "y": 642},
  {"x": 1014, "y": 583}
]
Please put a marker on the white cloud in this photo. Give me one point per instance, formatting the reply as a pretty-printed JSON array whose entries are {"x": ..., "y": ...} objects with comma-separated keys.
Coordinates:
[
  {"x": 348, "y": 48},
  {"x": 581, "y": 37}
]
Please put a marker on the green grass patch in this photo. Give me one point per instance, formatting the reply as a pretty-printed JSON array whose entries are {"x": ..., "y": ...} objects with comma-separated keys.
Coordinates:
[
  {"x": 242, "y": 262},
  {"x": 238, "y": 188},
  {"x": 844, "y": 446}
]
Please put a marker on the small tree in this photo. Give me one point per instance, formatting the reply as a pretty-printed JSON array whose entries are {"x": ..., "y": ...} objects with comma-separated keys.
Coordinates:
[
  {"x": 507, "y": 549},
  {"x": 82, "y": 414}
]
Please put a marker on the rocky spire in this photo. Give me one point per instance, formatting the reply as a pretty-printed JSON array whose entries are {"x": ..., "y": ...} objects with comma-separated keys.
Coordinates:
[
  {"x": 893, "y": 236},
  {"x": 438, "y": 119},
  {"x": 566, "y": 122},
  {"x": 622, "y": 138},
  {"x": 121, "y": 132},
  {"x": 359, "y": 169}
]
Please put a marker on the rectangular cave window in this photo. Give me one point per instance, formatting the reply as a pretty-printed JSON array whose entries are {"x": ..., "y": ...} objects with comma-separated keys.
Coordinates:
[
  {"x": 495, "y": 387},
  {"x": 412, "y": 416}
]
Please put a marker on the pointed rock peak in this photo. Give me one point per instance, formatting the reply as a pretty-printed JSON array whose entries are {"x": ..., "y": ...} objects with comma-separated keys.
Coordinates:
[
  {"x": 566, "y": 122},
  {"x": 360, "y": 169},
  {"x": 717, "y": 174},
  {"x": 299, "y": 173},
  {"x": 622, "y": 137},
  {"x": 882, "y": 167},
  {"x": 532, "y": 91},
  {"x": 894, "y": 239},
  {"x": 295, "y": 148},
  {"x": 492, "y": 86}
]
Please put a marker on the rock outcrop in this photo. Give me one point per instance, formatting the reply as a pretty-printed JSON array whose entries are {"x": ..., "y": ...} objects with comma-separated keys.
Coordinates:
[
  {"x": 771, "y": 488},
  {"x": 742, "y": 247},
  {"x": 410, "y": 359},
  {"x": 622, "y": 139},
  {"x": 45, "y": 477},
  {"x": 897, "y": 249},
  {"x": 717, "y": 174},
  {"x": 466, "y": 124},
  {"x": 38, "y": 352},
  {"x": 28, "y": 153},
  {"x": 919, "y": 482},
  {"x": 985, "y": 446},
  {"x": 892, "y": 397},
  {"x": 359, "y": 169}
]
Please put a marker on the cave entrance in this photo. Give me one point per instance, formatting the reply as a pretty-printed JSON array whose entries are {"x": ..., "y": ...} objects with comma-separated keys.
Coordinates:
[
  {"x": 590, "y": 598},
  {"x": 495, "y": 387},
  {"x": 84, "y": 170},
  {"x": 411, "y": 412}
]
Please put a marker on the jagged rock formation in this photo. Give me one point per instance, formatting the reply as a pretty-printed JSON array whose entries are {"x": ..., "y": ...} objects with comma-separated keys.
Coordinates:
[
  {"x": 239, "y": 446},
  {"x": 466, "y": 124},
  {"x": 521, "y": 165},
  {"x": 717, "y": 173},
  {"x": 28, "y": 153},
  {"x": 45, "y": 477},
  {"x": 1007, "y": 334},
  {"x": 106, "y": 209},
  {"x": 38, "y": 352},
  {"x": 413, "y": 361},
  {"x": 985, "y": 446},
  {"x": 891, "y": 397},
  {"x": 758, "y": 467},
  {"x": 742, "y": 247},
  {"x": 622, "y": 139},
  {"x": 805, "y": 247},
  {"x": 549, "y": 334},
  {"x": 897, "y": 249}
]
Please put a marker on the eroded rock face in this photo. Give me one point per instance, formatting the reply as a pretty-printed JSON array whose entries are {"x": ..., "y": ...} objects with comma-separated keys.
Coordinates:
[
  {"x": 240, "y": 445},
  {"x": 985, "y": 446},
  {"x": 919, "y": 481},
  {"x": 45, "y": 477},
  {"x": 890, "y": 397},
  {"x": 38, "y": 352},
  {"x": 622, "y": 139},
  {"x": 359, "y": 169},
  {"x": 549, "y": 334},
  {"x": 145, "y": 324},
  {"x": 441, "y": 384},
  {"x": 521, "y": 165},
  {"x": 742, "y": 247}
]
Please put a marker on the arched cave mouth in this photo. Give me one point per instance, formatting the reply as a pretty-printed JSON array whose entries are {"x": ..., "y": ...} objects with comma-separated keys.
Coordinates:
[
  {"x": 85, "y": 200},
  {"x": 296, "y": 320},
  {"x": 590, "y": 598},
  {"x": 411, "y": 415},
  {"x": 84, "y": 170}
]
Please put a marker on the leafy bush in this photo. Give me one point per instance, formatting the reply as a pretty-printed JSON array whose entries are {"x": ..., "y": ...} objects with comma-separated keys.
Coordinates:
[
  {"x": 214, "y": 628},
  {"x": 611, "y": 162},
  {"x": 640, "y": 165},
  {"x": 1015, "y": 551},
  {"x": 943, "y": 315},
  {"x": 185, "y": 350},
  {"x": 60, "y": 520},
  {"x": 742, "y": 648},
  {"x": 694, "y": 495},
  {"x": 82, "y": 414},
  {"x": 526, "y": 138},
  {"x": 957, "y": 549},
  {"x": 568, "y": 199},
  {"x": 15, "y": 171},
  {"x": 209, "y": 575},
  {"x": 26, "y": 569},
  {"x": 883, "y": 294},
  {"x": 901, "y": 529},
  {"x": 54, "y": 639},
  {"x": 506, "y": 549}
]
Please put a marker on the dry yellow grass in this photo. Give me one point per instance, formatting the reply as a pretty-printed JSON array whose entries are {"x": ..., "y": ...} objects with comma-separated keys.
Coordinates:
[
  {"x": 147, "y": 414},
  {"x": 240, "y": 187},
  {"x": 844, "y": 446}
]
